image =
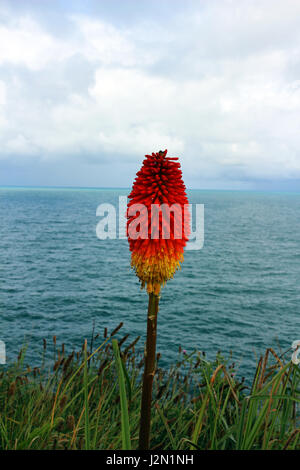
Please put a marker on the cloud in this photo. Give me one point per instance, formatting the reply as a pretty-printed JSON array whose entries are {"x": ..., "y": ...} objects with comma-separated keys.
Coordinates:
[
  {"x": 2, "y": 93},
  {"x": 27, "y": 44},
  {"x": 103, "y": 43},
  {"x": 217, "y": 84}
]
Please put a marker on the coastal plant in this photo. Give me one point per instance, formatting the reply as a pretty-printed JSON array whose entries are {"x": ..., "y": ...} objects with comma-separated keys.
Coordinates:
[
  {"x": 158, "y": 229},
  {"x": 125, "y": 427},
  {"x": 198, "y": 403}
]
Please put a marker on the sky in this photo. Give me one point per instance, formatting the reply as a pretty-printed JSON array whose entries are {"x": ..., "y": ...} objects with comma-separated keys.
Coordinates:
[{"x": 88, "y": 87}]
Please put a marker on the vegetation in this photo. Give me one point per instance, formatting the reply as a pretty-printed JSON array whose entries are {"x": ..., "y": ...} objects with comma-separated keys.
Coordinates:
[{"x": 91, "y": 400}]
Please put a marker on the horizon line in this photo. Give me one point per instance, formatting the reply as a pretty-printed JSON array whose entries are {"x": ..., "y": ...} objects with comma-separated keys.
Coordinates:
[{"x": 294, "y": 191}]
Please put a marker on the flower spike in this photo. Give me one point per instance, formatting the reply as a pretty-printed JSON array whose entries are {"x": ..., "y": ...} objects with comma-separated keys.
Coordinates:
[{"x": 157, "y": 207}]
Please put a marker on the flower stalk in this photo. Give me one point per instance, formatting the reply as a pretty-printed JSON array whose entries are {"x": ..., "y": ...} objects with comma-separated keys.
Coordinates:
[
  {"x": 149, "y": 372},
  {"x": 157, "y": 230}
]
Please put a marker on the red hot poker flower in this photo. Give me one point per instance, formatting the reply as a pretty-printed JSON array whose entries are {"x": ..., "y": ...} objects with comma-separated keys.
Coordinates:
[{"x": 158, "y": 223}]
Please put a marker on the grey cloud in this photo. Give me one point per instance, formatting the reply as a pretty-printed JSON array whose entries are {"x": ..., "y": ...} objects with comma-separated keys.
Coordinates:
[{"x": 216, "y": 82}]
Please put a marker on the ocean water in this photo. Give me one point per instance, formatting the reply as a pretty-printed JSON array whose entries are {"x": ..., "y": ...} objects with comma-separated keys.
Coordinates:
[{"x": 240, "y": 293}]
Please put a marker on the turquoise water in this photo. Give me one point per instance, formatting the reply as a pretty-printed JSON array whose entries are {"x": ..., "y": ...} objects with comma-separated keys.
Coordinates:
[{"x": 239, "y": 293}]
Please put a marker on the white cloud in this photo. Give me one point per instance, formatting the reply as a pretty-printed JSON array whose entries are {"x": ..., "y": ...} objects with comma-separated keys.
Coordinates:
[
  {"x": 2, "y": 93},
  {"x": 219, "y": 86},
  {"x": 103, "y": 43},
  {"x": 25, "y": 43},
  {"x": 2, "y": 103}
]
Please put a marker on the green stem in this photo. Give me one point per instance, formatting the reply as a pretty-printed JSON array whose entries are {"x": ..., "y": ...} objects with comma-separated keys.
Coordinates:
[{"x": 149, "y": 372}]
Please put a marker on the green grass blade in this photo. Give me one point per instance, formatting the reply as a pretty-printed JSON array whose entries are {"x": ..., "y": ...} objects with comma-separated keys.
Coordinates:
[
  {"x": 127, "y": 381},
  {"x": 126, "y": 443},
  {"x": 165, "y": 422},
  {"x": 199, "y": 422},
  {"x": 240, "y": 429},
  {"x": 86, "y": 400}
]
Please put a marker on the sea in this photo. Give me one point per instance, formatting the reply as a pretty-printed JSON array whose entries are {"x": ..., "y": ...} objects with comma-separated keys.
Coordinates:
[{"x": 238, "y": 294}]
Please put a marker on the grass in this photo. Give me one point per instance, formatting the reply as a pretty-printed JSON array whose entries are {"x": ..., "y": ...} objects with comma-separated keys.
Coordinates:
[{"x": 91, "y": 400}]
